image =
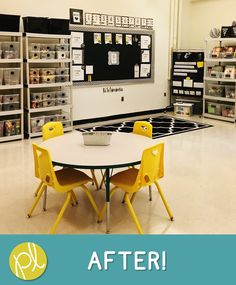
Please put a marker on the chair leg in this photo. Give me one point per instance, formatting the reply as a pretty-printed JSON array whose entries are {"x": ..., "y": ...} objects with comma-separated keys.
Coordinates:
[
  {"x": 150, "y": 193},
  {"x": 94, "y": 178},
  {"x": 132, "y": 212},
  {"x": 164, "y": 201},
  {"x": 40, "y": 192},
  {"x": 103, "y": 179},
  {"x": 68, "y": 199},
  {"x": 86, "y": 190},
  {"x": 102, "y": 212},
  {"x": 73, "y": 198},
  {"x": 39, "y": 187},
  {"x": 45, "y": 199},
  {"x": 131, "y": 200}
]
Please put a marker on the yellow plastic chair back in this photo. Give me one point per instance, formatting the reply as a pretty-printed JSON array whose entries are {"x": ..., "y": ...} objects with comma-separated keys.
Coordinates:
[
  {"x": 143, "y": 128},
  {"x": 151, "y": 168},
  {"x": 52, "y": 130},
  {"x": 45, "y": 167}
]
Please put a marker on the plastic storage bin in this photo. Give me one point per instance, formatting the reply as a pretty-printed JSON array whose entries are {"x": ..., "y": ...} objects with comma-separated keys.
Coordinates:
[
  {"x": 52, "y": 118},
  {"x": 10, "y": 50},
  {"x": 62, "y": 47},
  {"x": 62, "y": 94},
  {"x": 62, "y": 78},
  {"x": 59, "y": 26},
  {"x": 36, "y": 104},
  {"x": 47, "y": 47},
  {"x": 63, "y": 117},
  {"x": 183, "y": 109},
  {"x": 47, "y": 71},
  {"x": 214, "y": 108},
  {"x": 35, "y": 25},
  {"x": 34, "y": 47},
  {"x": 37, "y": 124},
  {"x": 11, "y": 76},
  {"x": 230, "y": 92},
  {"x": 34, "y": 71},
  {"x": 48, "y": 79},
  {"x": 36, "y": 96},
  {"x": 216, "y": 90},
  {"x": 47, "y": 55},
  {"x": 48, "y": 95},
  {"x": 9, "y": 23},
  {"x": 13, "y": 98},
  {"x": 228, "y": 111},
  {"x": 66, "y": 124},
  {"x": 49, "y": 103},
  {"x": 12, "y": 127},
  {"x": 34, "y": 54},
  {"x": 62, "y": 54},
  {"x": 34, "y": 79},
  {"x": 62, "y": 102},
  {"x": 1, "y": 128},
  {"x": 11, "y": 106},
  {"x": 62, "y": 71}
]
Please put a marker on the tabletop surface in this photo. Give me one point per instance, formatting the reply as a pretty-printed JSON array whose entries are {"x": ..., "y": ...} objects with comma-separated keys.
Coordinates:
[{"x": 125, "y": 149}]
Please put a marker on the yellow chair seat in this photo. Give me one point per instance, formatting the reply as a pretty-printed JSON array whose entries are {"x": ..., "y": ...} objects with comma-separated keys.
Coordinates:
[
  {"x": 70, "y": 178},
  {"x": 125, "y": 179}
]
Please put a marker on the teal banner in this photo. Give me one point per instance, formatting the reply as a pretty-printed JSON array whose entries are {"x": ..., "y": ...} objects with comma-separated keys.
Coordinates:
[{"x": 117, "y": 259}]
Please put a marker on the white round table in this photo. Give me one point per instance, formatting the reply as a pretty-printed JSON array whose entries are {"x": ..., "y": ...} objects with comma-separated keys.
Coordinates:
[{"x": 125, "y": 150}]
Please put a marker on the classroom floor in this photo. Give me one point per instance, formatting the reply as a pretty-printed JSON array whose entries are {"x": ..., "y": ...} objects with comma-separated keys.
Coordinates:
[{"x": 199, "y": 185}]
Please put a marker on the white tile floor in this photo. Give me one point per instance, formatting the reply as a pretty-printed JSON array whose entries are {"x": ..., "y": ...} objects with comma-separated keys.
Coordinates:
[{"x": 199, "y": 185}]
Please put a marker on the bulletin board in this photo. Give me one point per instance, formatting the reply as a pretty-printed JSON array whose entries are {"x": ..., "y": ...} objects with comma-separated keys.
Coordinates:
[{"x": 112, "y": 55}]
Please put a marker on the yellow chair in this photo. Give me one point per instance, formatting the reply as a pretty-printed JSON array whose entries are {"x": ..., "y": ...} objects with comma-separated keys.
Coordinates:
[
  {"x": 52, "y": 130},
  {"x": 62, "y": 181},
  {"x": 132, "y": 180},
  {"x": 143, "y": 128}
]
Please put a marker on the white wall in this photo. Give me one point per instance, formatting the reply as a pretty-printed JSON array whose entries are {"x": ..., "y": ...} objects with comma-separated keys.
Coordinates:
[
  {"x": 91, "y": 102},
  {"x": 199, "y": 16}
]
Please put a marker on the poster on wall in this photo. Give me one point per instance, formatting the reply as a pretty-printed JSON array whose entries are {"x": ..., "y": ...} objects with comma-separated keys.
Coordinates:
[
  {"x": 77, "y": 73},
  {"x": 77, "y": 39},
  {"x": 76, "y": 16}
]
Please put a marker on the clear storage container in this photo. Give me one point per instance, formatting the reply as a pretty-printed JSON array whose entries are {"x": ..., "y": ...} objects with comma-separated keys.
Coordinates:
[
  {"x": 230, "y": 91},
  {"x": 62, "y": 94},
  {"x": 62, "y": 47},
  {"x": 48, "y": 95},
  {"x": 34, "y": 55},
  {"x": 63, "y": 117},
  {"x": 52, "y": 118},
  {"x": 216, "y": 90},
  {"x": 1, "y": 128},
  {"x": 47, "y": 47},
  {"x": 11, "y": 76},
  {"x": 34, "y": 79},
  {"x": 47, "y": 55},
  {"x": 66, "y": 124},
  {"x": 49, "y": 103},
  {"x": 12, "y": 127},
  {"x": 11, "y": 106},
  {"x": 34, "y": 47},
  {"x": 47, "y": 71},
  {"x": 48, "y": 79},
  {"x": 228, "y": 111},
  {"x": 34, "y": 71},
  {"x": 62, "y": 54},
  {"x": 62, "y": 102},
  {"x": 37, "y": 124},
  {"x": 36, "y": 96},
  {"x": 62, "y": 71},
  {"x": 10, "y": 50},
  {"x": 36, "y": 104},
  {"x": 13, "y": 98},
  {"x": 214, "y": 108},
  {"x": 1, "y": 76},
  {"x": 62, "y": 78}
]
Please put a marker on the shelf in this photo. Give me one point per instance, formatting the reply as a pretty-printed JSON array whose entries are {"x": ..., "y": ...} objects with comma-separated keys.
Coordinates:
[
  {"x": 15, "y": 60},
  {"x": 221, "y": 40},
  {"x": 59, "y": 84},
  {"x": 49, "y": 60},
  {"x": 218, "y": 117},
  {"x": 220, "y": 79},
  {"x": 11, "y": 138},
  {"x": 39, "y": 134},
  {"x": 223, "y": 99},
  {"x": 5, "y": 87},
  {"x": 232, "y": 60},
  {"x": 47, "y": 109},
  {"x": 11, "y": 34},
  {"x": 49, "y": 36},
  {"x": 10, "y": 113}
]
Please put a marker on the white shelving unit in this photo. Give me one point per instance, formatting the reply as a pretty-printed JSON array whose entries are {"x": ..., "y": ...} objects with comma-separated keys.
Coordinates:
[
  {"x": 219, "y": 100},
  {"x": 45, "y": 57},
  {"x": 11, "y": 86}
]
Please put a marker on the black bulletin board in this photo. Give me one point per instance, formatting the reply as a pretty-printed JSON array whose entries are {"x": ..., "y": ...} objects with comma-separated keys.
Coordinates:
[{"x": 131, "y": 57}]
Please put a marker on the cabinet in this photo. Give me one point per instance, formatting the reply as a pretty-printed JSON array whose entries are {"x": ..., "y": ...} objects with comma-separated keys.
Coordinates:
[
  {"x": 220, "y": 79},
  {"x": 47, "y": 82},
  {"x": 11, "y": 86}
]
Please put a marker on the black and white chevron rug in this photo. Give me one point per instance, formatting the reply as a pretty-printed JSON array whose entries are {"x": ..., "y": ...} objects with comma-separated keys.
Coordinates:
[{"x": 162, "y": 126}]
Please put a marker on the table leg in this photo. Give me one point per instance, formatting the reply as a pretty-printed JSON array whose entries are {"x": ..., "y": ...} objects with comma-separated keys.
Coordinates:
[{"x": 108, "y": 200}]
